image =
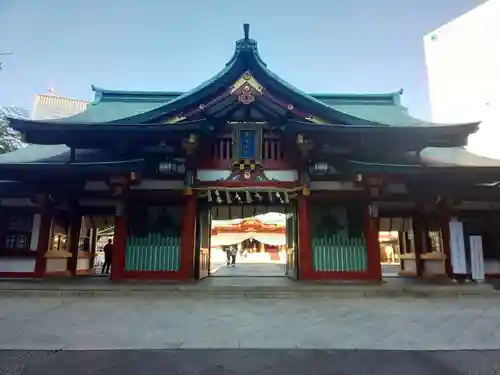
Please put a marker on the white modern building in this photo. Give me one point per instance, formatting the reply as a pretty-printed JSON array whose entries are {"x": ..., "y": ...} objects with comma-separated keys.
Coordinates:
[
  {"x": 50, "y": 107},
  {"x": 463, "y": 67}
]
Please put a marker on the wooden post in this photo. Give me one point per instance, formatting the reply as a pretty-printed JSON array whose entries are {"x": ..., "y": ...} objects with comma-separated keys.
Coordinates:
[
  {"x": 372, "y": 246},
  {"x": 93, "y": 247},
  {"x": 75, "y": 224},
  {"x": 43, "y": 240},
  {"x": 119, "y": 243},
  {"x": 444, "y": 223},
  {"x": 188, "y": 236},
  {"x": 418, "y": 236},
  {"x": 306, "y": 271}
]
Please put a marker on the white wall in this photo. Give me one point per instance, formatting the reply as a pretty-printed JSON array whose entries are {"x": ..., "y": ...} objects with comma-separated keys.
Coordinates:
[
  {"x": 17, "y": 265},
  {"x": 463, "y": 67}
]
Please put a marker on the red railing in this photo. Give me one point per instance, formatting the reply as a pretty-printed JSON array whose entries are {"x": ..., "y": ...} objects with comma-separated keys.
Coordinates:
[
  {"x": 272, "y": 154},
  {"x": 221, "y": 154}
]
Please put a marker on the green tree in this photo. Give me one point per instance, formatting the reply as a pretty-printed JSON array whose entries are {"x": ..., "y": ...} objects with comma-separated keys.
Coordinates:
[
  {"x": 10, "y": 140},
  {"x": 3, "y": 54}
]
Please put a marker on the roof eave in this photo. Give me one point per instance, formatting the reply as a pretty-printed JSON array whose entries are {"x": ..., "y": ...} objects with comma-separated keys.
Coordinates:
[
  {"x": 406, "y": 169},
  {"x": 47, "y": 125},
  {"x": 12, "y": 169}
]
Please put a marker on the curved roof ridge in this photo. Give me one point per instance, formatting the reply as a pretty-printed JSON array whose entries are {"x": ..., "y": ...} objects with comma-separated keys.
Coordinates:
[
  {"x": 391, "y": 95},
  {"x": 101, "y": 94},
  {"x": 246, "y": 57},
  {"x": 104, "y": 91},
  {"x": 149, "y": 106}
]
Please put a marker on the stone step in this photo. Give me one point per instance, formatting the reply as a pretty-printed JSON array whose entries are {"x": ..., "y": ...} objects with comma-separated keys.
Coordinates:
[{"x": 241, "y": 291}]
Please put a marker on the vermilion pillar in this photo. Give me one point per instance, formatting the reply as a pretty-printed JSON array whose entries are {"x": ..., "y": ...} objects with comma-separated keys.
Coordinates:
[
  {"x": 43, "y": 240},
  {"x": 188, "y": 238},
  {"x": 372, "y": 247},
  {"x": 305, "y": 245},
  {"x": 119, "y": 243}
]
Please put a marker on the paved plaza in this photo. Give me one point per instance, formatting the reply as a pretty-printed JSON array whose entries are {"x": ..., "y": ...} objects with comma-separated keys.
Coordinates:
[
  {"x": 228, "y": 323},
  {"x": 249, "y": 269},
  {"x": 206, "y": 336}
]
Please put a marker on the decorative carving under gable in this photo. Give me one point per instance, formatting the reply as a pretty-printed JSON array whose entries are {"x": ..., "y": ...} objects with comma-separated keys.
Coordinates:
[
  {"x": 199, "y": 108},
  {"x": 293, "y": 109},
  {"x": 248, "y": 80},
  {"x": 248, "y": 176},
  {"x": 284, "y": 175},
  {"x": 246, "y": 97},
  {"x": 316, "y": 120},
  {"x": 246, "y": 89}
]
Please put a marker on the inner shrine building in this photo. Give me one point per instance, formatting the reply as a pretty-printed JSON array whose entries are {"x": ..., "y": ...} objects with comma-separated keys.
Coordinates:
[{"x": 158, "y": 167}]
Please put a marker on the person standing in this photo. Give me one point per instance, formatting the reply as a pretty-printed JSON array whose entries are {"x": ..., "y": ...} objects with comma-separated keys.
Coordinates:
[
  {"x": 108, "y": 257},
  {"x": 233, "y": 251},
  {"x": 227, "y": 249}
]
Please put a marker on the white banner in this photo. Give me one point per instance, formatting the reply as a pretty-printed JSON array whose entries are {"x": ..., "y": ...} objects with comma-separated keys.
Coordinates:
[
  {"x": 477, "y": 258},
  {"x": 457, "y": 244}
]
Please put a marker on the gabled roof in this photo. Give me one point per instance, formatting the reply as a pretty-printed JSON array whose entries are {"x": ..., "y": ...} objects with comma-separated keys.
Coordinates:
[
  {"x": 115, "y": 105},
  {"x": 376, "y": 110}
]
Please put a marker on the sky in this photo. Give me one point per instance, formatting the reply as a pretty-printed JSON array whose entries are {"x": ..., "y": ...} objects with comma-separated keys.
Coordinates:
[{"x": 319, "y": 46}]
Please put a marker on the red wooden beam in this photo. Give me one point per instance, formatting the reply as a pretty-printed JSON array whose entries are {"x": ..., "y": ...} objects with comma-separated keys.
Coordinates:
[
  {"x": 119, "y": 245},
  {"x": 188, "y": 239},
  {"x": 305, "y": 245}
]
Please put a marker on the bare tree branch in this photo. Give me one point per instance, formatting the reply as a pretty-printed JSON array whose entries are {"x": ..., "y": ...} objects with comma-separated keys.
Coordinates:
[{"x": 4, "y": 54}]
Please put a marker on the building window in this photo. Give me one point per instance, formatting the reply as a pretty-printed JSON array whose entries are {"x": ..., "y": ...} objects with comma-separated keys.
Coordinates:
[
  {"x": 398, "y": 233},
  {"x": 18, "y": 233},
  {"x": 434, "y": 239}
]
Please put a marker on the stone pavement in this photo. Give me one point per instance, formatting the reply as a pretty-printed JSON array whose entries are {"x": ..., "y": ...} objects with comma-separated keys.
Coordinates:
[
  {"x": 249, "y": 269},
  {"x": 262, "y": 362},
  {"x": 210, "y": 323}
]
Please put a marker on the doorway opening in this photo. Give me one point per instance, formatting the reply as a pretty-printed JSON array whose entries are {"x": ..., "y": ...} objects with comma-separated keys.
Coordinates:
[
  {"x": 247, "y": 241},
  {"x": 254, "y": 246},
  {"x": 397, "y": 246},
  {"x": 390, "y": 251}
]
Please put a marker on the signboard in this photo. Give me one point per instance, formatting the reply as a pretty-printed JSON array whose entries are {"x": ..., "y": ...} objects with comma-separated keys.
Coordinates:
[
  {"x": 247, "y": 144},
  {"x": 477, "y": 258},
  {"x": 457, "y": 244}
]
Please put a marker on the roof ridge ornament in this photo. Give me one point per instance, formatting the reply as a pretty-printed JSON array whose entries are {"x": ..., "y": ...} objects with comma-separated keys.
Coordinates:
[{"x": 246, "y": 31}]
